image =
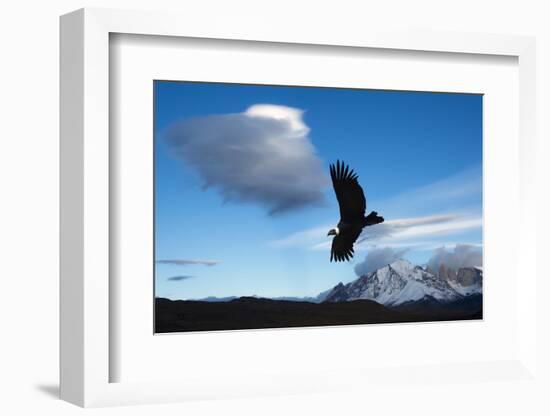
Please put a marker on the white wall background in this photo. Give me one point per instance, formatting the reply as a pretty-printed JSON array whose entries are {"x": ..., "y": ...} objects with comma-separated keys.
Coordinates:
[{"x": 29, "y": 204}]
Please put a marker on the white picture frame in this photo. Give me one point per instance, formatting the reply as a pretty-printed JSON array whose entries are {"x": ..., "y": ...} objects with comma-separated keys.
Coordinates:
[{"x": 85, "y": 208}]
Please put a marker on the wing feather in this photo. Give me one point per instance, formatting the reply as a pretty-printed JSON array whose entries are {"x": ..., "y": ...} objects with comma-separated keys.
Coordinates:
[
  {"x": 342, "y": 245},
  {"x": 349, "y": 193}
]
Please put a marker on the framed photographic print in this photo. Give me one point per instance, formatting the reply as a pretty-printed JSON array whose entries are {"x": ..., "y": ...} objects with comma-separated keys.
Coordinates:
[
  {"x": 239, "y": 207},
  {"x": 277, "y": 230}
]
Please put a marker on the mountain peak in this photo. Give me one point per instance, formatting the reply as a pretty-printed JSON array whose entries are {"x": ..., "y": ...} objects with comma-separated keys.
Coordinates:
[
  {"x": 401, "y": 262},
  {"x": 402, "y": 265},
  {"x": 398, "y": 282}
]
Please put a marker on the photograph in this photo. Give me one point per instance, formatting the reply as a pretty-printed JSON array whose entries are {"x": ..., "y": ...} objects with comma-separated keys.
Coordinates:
[{"x": 282, "y": 206}]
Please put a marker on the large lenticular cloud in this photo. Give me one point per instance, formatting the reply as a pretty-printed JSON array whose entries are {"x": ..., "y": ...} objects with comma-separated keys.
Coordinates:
[{"x": 261, "y": 156}]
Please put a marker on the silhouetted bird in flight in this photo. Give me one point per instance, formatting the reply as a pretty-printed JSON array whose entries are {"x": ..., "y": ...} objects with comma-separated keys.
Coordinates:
[{"x": 352, "y": 212}]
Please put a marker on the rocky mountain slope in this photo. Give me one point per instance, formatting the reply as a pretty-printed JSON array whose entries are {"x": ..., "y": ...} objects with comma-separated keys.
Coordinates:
[{"x": 403, "y": 282}]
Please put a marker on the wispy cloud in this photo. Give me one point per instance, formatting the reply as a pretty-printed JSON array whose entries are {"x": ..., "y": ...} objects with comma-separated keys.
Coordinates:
[
  {"x": 463, "y": 189},
  {"x": 179, "y": 278},
  {"x": 404, "y": 232},
  {"x": 413, "y": 228},
  {"x": 261, "y": 156},
  {"x": 302, "y": 238},
  {"x": 187, "y": 262}
]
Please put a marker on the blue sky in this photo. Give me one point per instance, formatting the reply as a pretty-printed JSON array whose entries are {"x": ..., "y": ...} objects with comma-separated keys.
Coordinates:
[{"x": 242, "y": 196}]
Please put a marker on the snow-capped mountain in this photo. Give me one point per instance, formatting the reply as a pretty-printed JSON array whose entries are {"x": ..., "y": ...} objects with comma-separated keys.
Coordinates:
[{"x": 398, "y": 283}]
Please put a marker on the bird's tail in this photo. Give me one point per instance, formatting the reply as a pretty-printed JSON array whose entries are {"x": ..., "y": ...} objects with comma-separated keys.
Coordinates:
[{"x": 373, "y": 218}]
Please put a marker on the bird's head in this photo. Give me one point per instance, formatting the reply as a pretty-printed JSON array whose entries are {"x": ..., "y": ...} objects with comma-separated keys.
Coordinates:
[{"x": 333, "y": 231}]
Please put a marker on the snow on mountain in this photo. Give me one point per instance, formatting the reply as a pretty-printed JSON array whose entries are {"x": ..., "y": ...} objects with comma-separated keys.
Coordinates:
[{"x": 394, "y": 284}]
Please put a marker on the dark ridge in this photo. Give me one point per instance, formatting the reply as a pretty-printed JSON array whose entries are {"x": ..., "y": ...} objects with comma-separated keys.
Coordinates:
[{"x": 258, "y": 313}]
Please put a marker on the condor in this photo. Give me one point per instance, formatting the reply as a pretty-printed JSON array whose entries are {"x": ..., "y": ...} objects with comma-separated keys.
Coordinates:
[{"x": 352, "y": 203}]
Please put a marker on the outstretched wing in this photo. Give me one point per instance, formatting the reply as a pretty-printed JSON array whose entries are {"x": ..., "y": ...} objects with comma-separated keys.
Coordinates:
[
  {"x": 348, "y": 192},
  {"x": 342, "y": 245}
]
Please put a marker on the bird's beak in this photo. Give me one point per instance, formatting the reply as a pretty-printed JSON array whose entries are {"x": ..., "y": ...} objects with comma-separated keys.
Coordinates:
[{"x": 331, "y": 232}]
